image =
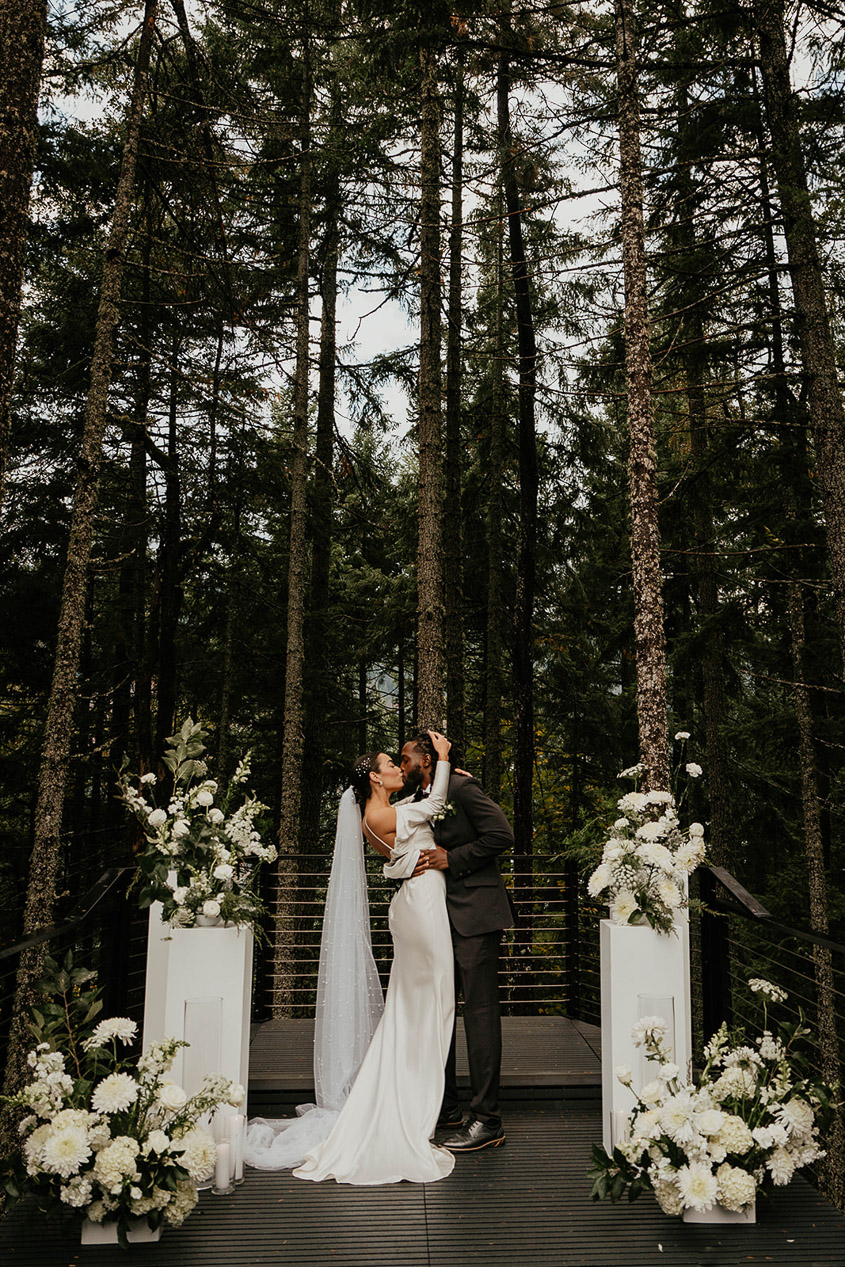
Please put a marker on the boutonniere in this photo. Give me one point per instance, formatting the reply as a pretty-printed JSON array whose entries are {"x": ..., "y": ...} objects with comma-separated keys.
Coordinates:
[{"x": 448, "y": 808}]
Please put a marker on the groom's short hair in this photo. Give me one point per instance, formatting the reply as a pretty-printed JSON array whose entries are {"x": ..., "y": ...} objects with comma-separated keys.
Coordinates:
[{"x": 425, "y": 747}]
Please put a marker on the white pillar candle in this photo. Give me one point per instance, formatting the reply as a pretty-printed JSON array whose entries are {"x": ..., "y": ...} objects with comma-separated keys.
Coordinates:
[
  {"x": 237, "y": 1125},
  {"x": 222, "y": 1178}
]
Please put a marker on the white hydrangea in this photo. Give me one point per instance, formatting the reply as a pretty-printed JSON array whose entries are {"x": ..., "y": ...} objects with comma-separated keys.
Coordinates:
[
  {"x": 735, "y": 1135},
  {"x": 116, "y": 1163},
  {"x": 77, "y": 1192},
  {"x": 737, "y": 1188},
  {"x": 668, "y": 1196},
  {"x": 181, "y": 1204}
]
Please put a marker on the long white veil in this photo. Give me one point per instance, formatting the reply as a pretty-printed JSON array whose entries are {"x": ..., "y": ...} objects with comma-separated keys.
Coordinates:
[{"x": 349, "y": 1005}]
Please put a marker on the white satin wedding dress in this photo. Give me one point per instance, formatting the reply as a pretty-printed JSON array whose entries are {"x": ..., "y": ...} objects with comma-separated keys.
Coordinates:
[{"x": 384, "y": 1130}]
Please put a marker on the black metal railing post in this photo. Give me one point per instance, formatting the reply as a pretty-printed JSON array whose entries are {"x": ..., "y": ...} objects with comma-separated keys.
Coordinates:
[{"x": 716, "y": 1001}]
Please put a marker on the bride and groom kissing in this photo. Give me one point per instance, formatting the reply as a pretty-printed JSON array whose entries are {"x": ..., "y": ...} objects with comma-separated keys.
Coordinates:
[{"x": 385, "y": 1081}]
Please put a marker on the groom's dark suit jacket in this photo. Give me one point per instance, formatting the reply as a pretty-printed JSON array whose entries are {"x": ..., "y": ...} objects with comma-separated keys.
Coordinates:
[{"x": 473, "y": 837}]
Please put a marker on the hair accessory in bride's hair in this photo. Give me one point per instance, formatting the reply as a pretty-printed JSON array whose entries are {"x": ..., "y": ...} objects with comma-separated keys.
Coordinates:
[{"x": 362, "y": 768}]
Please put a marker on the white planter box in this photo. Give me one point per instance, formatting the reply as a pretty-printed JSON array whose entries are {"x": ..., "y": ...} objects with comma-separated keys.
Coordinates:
[
  {"x": 105, "y": 1233},
  {"x": 643, "y": 973},
  {"x": 199, "y": 988},
  {"x": 718, "y": 1214}
]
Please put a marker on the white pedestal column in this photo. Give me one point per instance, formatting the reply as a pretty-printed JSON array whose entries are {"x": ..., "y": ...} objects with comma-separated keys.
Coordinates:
[
  {"x": 643, "y": 973},
  {"x": 199, "y": 988}
]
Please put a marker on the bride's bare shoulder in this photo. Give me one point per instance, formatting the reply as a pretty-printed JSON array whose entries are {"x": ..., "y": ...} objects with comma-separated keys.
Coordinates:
[{"x": 382, "y": 820}]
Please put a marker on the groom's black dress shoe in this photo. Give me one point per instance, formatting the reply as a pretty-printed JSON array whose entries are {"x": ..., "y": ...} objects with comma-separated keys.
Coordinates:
[
  {"x": 475, "y": 1135},
  {"x": 453, "y": 1118}
]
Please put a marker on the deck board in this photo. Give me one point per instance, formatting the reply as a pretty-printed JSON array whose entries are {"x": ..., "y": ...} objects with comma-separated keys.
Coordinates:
[
  {"x": 538, "y": 1052},
  {"x": 525, "y": 1203}
]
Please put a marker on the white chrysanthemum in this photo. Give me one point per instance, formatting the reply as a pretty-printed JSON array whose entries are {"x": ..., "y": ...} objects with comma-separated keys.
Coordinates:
[
  {"x": 621, "y": 823},
  {"x": 736, "y": 1187},
  {"x": 735, "y": 1135},
  {"x": 677, "y": 1117},
  {"x": 648, "y": 1029},
  {"x": 623, "y": 906},
  {"x": 599, "y": 880},
  {"x": 697, "y": 1185},
  {"x": 197, "y": 1153},
  {"x": 796, "y": 1116},
  {"x": 114, "y": 1093},
  {"x": 668, "y": 1196},
  {"x": 115, "y": 1028},
  {"x": 669, "y": 893},
  {"x": 181, "y": 1204},
  {"x": 652, "y": 831},
  {"x": 687, "y": 857},
  {"x": 782, "y": 1166},
  {"x": 65, "y": 1151}
]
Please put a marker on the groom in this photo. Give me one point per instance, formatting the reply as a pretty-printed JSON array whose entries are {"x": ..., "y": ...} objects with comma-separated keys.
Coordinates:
[{"x": 469, "y": 837}]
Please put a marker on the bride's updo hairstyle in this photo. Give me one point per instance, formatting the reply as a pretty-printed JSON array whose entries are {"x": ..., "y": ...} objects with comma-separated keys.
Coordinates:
[{"x": 364, "y": 766}]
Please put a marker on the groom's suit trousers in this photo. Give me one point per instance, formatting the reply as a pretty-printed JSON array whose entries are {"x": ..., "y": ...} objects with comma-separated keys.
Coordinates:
[{"x": 477, "y": 979}]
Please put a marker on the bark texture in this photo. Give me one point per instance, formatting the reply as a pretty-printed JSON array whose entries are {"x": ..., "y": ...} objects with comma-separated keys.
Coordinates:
[
  {"x": 523, "y": 639},
  {"x": 22, "y": 27},
  {"x": 642, "y": 455},
  {"x": 41, "y": 889},
  {"x": 494, "y": 642},
  {"x": 292, "y": 746},
  {"x": 812, "y": 319},
  {"x": 452, "y": 519},
  {"x": 429, "y": 680}
]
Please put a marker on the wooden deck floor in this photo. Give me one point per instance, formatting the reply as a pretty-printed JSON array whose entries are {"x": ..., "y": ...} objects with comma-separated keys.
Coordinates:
[
  {"x": 524, "y": 1205},
  {"x": 540, "y": 1053}
]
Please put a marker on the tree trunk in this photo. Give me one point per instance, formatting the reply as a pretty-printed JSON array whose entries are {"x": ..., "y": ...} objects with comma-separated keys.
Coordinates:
[
  {"x": 170, "y": 588},
  {"x": 452, "y": 519},
  {"x": 642, "y": 458},
  {"x": 494, "y": 642},
  {"x": 812, "y": 321},
  {"x": 22, "y": 27},
  {"x": 41, "y": 888},
  {"x": 523, "y": 640},
  {"x": 292, "y": 747},
  {"x": 834, "y": 1163},
  {"x": 429, "y": 681}
]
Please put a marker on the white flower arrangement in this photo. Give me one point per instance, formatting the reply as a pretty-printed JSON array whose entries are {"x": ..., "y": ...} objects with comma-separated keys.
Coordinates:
[
  {"x": 105, "y": 1136},
  {"x": 647, "y": 860},
  {"x": 753, "y": 1120},
  {"x": 201, "y": 857}
]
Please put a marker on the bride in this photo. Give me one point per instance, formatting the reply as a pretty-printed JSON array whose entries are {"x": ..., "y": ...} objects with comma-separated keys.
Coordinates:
[{"x": 384, "y": 1128}]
